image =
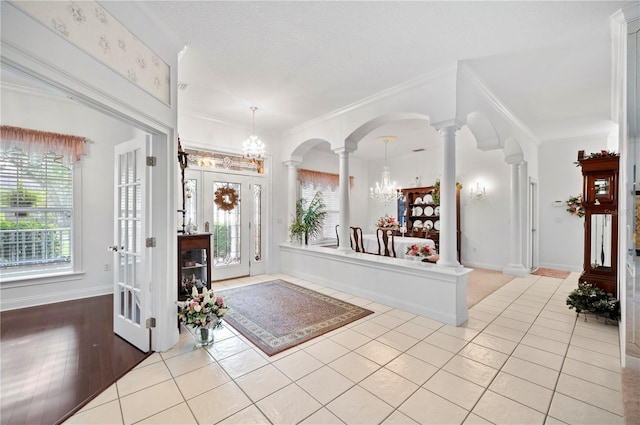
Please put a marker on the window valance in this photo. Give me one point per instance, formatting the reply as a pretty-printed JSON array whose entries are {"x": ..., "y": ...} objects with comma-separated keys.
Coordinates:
[
  {"x": 320, "y": 179},
  {"x": 35, "y": 144}
]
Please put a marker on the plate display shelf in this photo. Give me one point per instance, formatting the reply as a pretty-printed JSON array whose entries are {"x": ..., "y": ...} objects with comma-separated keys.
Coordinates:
[{"x": 417, "y": 207}]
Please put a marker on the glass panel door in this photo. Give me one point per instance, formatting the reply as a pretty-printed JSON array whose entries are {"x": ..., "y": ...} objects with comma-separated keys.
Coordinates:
[
  {"x": 131, "y": 290},
  {"x": 228, "y": 204}
]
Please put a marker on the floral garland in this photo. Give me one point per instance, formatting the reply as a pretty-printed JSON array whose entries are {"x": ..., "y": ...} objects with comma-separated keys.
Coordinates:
[
  {"x": 435, "y": 194},
  {"x": 226, "y": 198},
  {"x": 574, "y": 206},
  {"x": 602, "y": 154}
]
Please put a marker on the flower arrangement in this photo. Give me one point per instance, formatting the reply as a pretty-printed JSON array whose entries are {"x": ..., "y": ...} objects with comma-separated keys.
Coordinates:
[
  {"x": 591, "y": 299},
  {"x": 417, "y": 250},
  {"x": 574, "y": 206},
  {"x": 387, "y": 222},
  {"x": 202, "y": 310}
]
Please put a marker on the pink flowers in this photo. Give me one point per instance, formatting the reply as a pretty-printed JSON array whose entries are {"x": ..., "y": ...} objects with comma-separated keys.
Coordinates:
[
  {"x": 417, "y": 250},
  {"x": 202, "y": 309},
  {"x": 574, "y": 206},
  {"x": 387, "y": 222}
]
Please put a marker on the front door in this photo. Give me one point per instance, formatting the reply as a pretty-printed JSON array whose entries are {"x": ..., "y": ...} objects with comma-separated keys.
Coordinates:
[
  {"x": 233, "y": 207},
  {"x": 131, "y": 287}
]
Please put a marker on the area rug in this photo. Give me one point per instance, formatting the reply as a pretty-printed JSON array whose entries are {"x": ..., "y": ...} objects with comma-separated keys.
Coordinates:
[
  {"x": 559, "y": 274},
  {"x": 278, "y": 315}
]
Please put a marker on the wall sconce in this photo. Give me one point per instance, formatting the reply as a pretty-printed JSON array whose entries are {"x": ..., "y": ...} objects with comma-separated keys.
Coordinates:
[{"x": 477, "y": 192}]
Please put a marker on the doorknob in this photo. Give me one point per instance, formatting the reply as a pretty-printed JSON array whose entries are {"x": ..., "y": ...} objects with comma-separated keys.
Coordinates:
[{"x": 115, "y": 248}]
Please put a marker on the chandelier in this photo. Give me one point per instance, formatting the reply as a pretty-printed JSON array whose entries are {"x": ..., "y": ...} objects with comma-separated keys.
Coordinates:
[
  {"x": 253, "y": 148},
  {"x": 385, "y": 190}
]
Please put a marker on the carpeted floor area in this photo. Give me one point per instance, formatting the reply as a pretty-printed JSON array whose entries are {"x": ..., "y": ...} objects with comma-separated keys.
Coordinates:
[
  {"x": 631, "y": 393},
  {"x": 482, "y": 283},
  {"x": 277, "y": 315},
  {"x": 559, "y": 274}
]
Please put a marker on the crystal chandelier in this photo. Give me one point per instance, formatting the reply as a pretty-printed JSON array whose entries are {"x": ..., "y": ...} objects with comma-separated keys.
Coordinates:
[
  {"x": 253, "y": 148},
  {"x": 385, "y": 190}
]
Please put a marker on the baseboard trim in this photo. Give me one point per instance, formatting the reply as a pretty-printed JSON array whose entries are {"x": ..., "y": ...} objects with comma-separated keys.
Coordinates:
[{"x": 57, "y": 297}]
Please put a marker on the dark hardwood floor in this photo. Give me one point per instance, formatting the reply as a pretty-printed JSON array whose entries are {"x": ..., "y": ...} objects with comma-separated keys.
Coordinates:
[{"x": 57, "y": 357}]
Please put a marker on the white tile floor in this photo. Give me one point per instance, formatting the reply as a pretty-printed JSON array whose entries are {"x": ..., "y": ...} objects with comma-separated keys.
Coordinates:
[{"x": 522, "y": 357}]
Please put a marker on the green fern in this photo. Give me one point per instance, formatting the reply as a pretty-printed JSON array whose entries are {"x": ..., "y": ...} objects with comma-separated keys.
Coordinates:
[{"x": 308, "y": 221}]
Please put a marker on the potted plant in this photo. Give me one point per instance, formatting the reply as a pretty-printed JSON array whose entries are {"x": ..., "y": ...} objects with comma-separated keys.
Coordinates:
[
  {"x": 588, "y": 298},
  {"x": 308, "y": 221}
]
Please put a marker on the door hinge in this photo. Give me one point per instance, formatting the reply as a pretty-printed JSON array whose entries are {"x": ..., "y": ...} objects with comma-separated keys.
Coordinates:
[
  {"x": 152, "y": 161},
  {"x": 150, "y": 242},
  {"x": 151, "y": 322}
]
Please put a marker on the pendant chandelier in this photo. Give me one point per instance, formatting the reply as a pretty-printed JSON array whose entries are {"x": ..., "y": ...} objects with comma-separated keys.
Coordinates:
[
  {"x": 385, "y": 190},
  {"x": 253, "y": 148}
]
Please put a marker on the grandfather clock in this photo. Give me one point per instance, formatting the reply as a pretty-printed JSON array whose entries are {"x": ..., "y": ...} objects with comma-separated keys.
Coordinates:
[{"x": 600, "y": 201}]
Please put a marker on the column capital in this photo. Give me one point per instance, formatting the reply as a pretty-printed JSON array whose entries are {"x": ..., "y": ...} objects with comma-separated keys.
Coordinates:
[
  {"x": 515, "y": 159},
  {"x": 349, "y": 147},
  {"x": 295, "y": 161},
  {"x": 443, "y": 125}
]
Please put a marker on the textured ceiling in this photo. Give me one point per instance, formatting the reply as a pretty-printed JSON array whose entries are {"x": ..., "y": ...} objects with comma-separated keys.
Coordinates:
[{"x": 549, "y": 62}]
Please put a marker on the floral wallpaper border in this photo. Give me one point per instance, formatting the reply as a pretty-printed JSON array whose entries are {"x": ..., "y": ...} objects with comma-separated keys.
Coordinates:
[{"x": 91, "y": 28}]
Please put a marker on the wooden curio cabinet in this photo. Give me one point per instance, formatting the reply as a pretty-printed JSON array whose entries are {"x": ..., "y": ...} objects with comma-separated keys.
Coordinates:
[
  {"x": 600, "y": 201},
  {"x": 419, "y": 212},
  {"x": 194, "y": 263}
]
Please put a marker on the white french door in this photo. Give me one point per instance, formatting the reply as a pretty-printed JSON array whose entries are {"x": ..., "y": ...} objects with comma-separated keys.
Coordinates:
[
  {"x": 131, "y": 277},
  {"x": 233, "y": 208}
]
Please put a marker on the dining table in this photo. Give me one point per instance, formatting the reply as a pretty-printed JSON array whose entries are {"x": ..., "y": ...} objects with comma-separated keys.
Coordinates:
[{"x": 401, "y": 243}]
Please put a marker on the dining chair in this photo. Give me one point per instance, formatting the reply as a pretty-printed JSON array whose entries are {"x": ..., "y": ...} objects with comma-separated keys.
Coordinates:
[
  {"x": 386, "y": 243},
  {"x": 338, "y": 237},
  {"x": 357, "y": 241}
]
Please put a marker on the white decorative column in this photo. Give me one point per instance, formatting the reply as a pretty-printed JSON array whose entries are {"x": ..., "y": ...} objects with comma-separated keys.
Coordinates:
[
  {"x": 448, "y": 230},
  {"x": 345, "y": 211},
  {"x": 292, "y": 188},
  {"x": 516, "y": 266}
]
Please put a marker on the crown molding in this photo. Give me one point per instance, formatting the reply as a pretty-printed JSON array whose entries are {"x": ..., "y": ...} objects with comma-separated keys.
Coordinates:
[
  {"x": 492, "y": 99},
  {"x": 48, "y": 93},
  {"x": 400, "y": 88}
]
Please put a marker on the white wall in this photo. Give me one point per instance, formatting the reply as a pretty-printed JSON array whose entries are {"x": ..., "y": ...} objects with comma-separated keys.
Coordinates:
[
  {"x": 42, "y": 111},
  {"x": 561, "y": 234}
]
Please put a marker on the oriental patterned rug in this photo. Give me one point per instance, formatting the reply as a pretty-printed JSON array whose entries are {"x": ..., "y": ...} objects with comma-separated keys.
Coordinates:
[{"x": 278, "y": 315}]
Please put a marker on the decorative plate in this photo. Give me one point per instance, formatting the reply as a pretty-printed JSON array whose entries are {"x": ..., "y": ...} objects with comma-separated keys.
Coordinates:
[
  {"x": 428, "y": 211},
  {"x": 418, "y": 200},
  {"x": 417, "y": 223},
  {"x": 418, "y": 211},
  {"x": 428, "y": 224},
  {"x": 437, "y": 225},
  {"x": 437, "y": 210},
  {"x": 428, "y": 199}
]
